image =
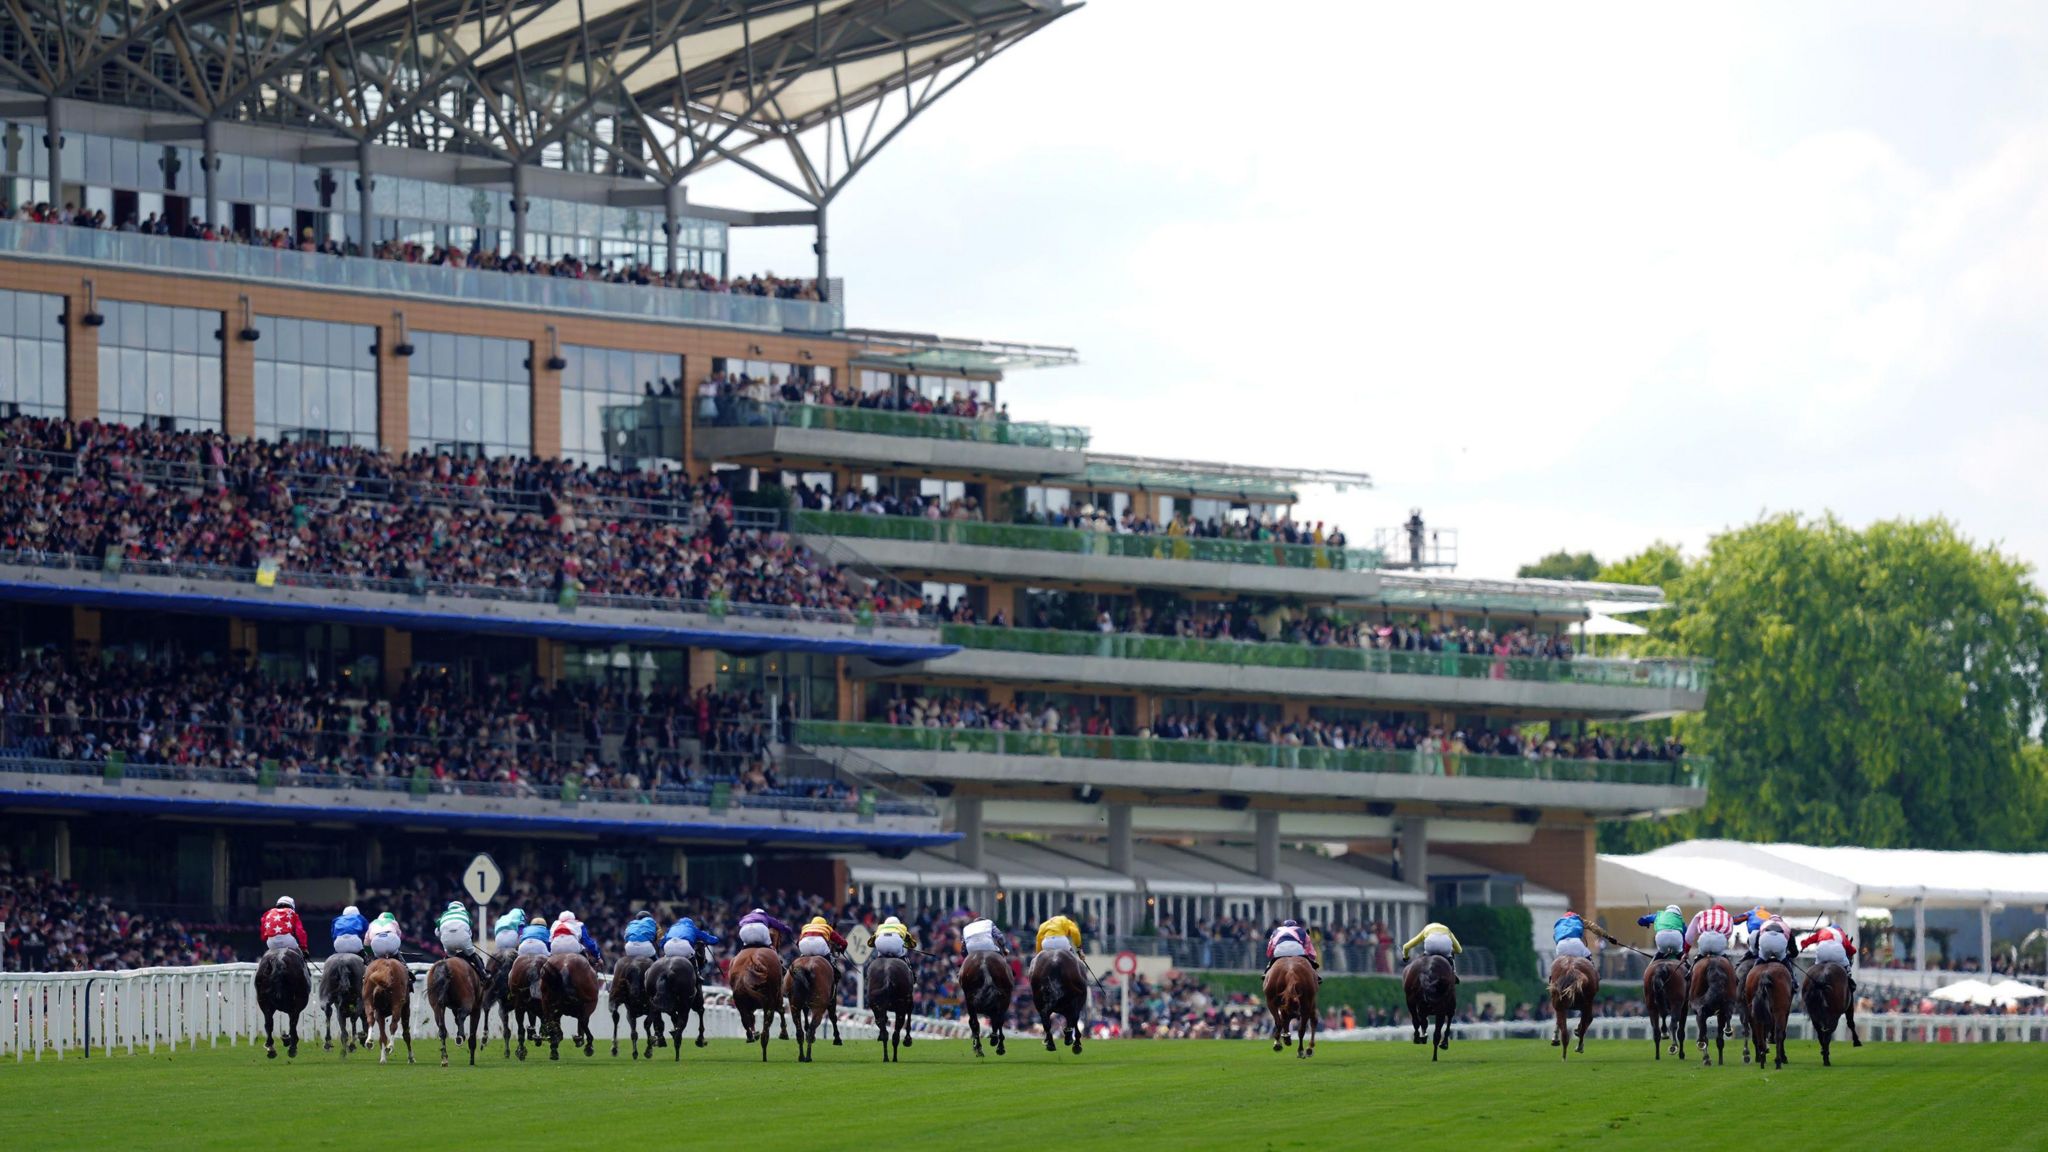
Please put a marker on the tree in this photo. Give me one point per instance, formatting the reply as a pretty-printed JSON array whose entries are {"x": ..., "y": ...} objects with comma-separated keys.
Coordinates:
[
  {"x": 1660, "y": 564},
  {"x": 1876, "y": 687},
  {"x": 1561, "y": 566}
]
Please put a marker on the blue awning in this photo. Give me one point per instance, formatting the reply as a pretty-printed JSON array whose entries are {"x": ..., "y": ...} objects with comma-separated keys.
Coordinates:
[
  {"x": 426, "y": 815},
  {"x": 566, "y": 627}
]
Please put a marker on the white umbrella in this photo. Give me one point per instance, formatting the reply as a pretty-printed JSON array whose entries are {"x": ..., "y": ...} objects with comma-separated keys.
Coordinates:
[
  {"x": 1606, "y": 626},
  {"x": 2014, "y": 990},
  {"x": 1971, "y": 992}
]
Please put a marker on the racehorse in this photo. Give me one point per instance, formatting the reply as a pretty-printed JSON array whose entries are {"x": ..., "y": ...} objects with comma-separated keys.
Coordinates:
[
  {"x": 1766, "y": 1006},
  {"x": 520, "y": 1008},
  {"x": 282, "y": 986},
  {"x": 673, "y": 990},
  {"x": 1714, "y": 993},
  {"x": 387, "y": 1005},
  {"x": 1431, "y": 985},
  {"x": 1290, "y": 990},
  {"x": 1664, "y": 994},
  {"x": 756, "y": 979},
  {"x": 1829, "y": 1002},
  {"x": 892, "y": 994},
  {"x": 1574, "y": 986},
  {"x": 811, "y": 987},
  {"x": 1059, "y": 989},
  {"x": 987, "y": 988},
  {"x": 629, "y": 991},
  {"x": 568, "y": 985},
  {"x": 341, "y": 995},
  {"x": 455, "y": 986}
]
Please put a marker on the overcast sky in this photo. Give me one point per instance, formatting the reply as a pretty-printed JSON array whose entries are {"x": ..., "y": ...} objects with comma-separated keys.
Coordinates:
[{"x": 1576, "y": 276}]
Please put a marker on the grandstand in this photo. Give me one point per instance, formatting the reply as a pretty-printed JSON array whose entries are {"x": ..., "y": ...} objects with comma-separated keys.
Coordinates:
[{"x": 396, "y": 468}]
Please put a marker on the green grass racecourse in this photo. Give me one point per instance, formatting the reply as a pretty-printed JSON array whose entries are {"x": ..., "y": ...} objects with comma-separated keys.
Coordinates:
[{"x": 1137, "y": 1094}]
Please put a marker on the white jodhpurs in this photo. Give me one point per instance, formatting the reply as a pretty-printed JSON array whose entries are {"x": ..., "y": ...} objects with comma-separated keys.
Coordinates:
[
  {"x": 813, "y": 946},
  {"x": 1574, "y": 948},
  {"x": 1712, "y": 944},
  {"x": 455, "y": 936},
  {"x": 1057, "y": 944},
  {"x": 1438, "y": 944},
  {"x": 508, "y": 941},
  {"x": 565, "y": 946},
  {"x": 1288, "y": 947},
  {"x": 533, "y": 947},
  {"x": 679, "y": 948},
  {"x": 755, "y": 934},
  {"x": 384, "y": 945},
  {"x": 279, "y": 942},
  {"x": 348, "y": 945},
  {"x": 1831, "y": 952},
  {"x": 639, "y": 948},
  {"x": 983, "y": 943},
  {"x": 1771, "y": 945},
  {"x": 1671, "y": 940},
  {"x": 889, "y": 944}
]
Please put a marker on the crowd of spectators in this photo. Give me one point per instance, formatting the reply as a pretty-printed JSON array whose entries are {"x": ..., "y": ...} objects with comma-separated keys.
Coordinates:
[
  {"x": 53, "y": 926},
  {"x": 361, "y": 515},
  {"x": 729, "y": 397},
  {"x": 226, "y": 717},
  {"x": 568, "y": 267}
]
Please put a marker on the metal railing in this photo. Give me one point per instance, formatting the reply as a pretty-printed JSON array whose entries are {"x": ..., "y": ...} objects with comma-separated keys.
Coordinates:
[
  {"x": 1038, "y": 538},
  {"x": 740, "y": 412},
  {"x": 1678, "y": 675},
  {"x": 132, "y": 251},
  {"x": 1686, "y": 773}
]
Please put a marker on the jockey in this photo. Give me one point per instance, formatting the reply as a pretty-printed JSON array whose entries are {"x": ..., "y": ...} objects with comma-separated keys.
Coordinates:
[
  {"x": 983, "y": 936},
  {"x": 280, "y": 926},
  {"x": 1059, "y": 934},
  {"x": 506, "y": 931},
  {"x": 683, "y": 939},
  {"x": 819, "y": 938},
  {"x": 568, "y": 936},
  {"x": 760, "y": 930},
  {"x": 1670, "y": 928},
  {"x": 533, "y": 939},
  {"x": 457, "y": 933},
  {"x": 1830, "y": 945},
  {"x": 1570, "y": 934},
  {"x": 893, "y": 938},
  {"x": 384, "y": 936},
  {"x": 1754, "y": 918},
  {"x": 1774, "y": 941},
  {"x": 1435, "y": 940},
  {"x": 640, "y": 934},
  {"x": 348, "y": 931},
  {"x": 1709, "y": 931},
  {"x": 1291, "y": 939}
]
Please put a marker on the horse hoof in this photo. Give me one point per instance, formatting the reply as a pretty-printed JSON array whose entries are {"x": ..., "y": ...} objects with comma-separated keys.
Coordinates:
[
  {"x": 444, "y": 1061},
  {"x": 907, "y": 1041},
  {"x": 836, "y": 1043},
  {"x": 1553, "y": 1043},
  {"x": 270, "y": 1053},
  {"x": 701, "y": 1042}
]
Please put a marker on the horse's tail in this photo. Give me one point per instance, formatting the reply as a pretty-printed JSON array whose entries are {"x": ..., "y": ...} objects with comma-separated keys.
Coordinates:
[
  {"x": 437, "y": 983},
  {"x": 1760, "y": 1001},
  {"x": 1574, "y": 985},
  {"x": 1430, "y": 979},
  {"x": 1717, "y": 984},
  {"x": 1819, "y": 981},
  {"x": 800, "y": 984}
]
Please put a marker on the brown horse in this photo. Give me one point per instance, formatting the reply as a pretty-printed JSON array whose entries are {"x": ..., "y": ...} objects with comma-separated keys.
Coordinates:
[
  {"x": 1058, "y": 988},
  {"x": 988, "y": 986},
  {"x": 756, "y": 979},
  {"x": 282, "y": 986},
  {"x": 1291, "y": 997},
  {"x": 674, "y": 991},
  {"x": 341, "y": 997},
  {"x": 520, "y": 1007},
  {"x": 892, "y": 995},
  {"x": 1431, "y": 985},
  {"x": 1714, "y": 995},
  {"x": 1664, "y": 995},
  {"x": 811, "y": 987},
  {"x": 1766, "y": 1007},
  {"x": 1830, "y": 1000},
  {"x": 455, "y": 986},
  {"x": 387, "y": 1005},
  {"x": 629, "y": 991},
  {"x": 568, "y": 986},
  {"x": 1574, "y": 986}
]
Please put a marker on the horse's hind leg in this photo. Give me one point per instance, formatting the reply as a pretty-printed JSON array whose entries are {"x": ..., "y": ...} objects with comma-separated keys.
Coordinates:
[
  {"x": 405, "y": 1026},
  {"x": 1052, "y": 1043},
  {"x": 615, "y": 1031},
  {"x": 836, "y": 1043},
  {"x": 327, "y": 1028},
  {"x": 1849, "y": 1017},
  {"x": 700, "y": 1022},
  {"x": 269, "y": 1035},
  {"x": 441, "y": 1024},
  {"x": 1678, "y": 1036},
  {"x": 1657, "y": 1033},
  {"x": 974, "y": 1029},
  {"x": 1279, "y": 1029},
  {"x": 1585, "y": 1022}
]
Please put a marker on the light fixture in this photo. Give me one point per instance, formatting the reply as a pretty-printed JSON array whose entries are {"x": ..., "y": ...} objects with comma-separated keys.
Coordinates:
[
  {"x": 555, "y": 361},
  {"x": 92, "y": 317},
  {"x": 248, "y": 334},
  {"x": 400, "y": 346}
]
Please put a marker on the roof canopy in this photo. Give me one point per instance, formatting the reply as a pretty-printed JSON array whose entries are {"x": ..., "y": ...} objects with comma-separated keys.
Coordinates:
[
  {"x": 653, "y": 88},
  {"x": 1891, "y": 877}
]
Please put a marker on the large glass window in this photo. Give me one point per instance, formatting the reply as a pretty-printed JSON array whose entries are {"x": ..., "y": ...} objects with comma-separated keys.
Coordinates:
[
  {"x": 621, "y": 409},
  {"x": 316, "y": 381},
  {"x": 470, "y": 395},
  {"x": 31, "y": 355},
  {"x": 160, "y": 366}
]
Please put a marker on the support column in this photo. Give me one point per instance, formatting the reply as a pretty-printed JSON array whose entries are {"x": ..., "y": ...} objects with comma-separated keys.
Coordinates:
[
  {"x": 1120, "y": 839},
  {"x": 53, "y": 141},
  {"x": 394, "y": 384},
  {"x": 967, "y": 822},
  {"x": 85, "y": 630},
  {"x": 1920, "y": 945},
  {"x": 209, "y": 171},
  {"x": 397, "y": 659},
  {"x": 679, "y": 863},
  {"x": 703, "y": 668},
  {"x": 237, "y": 375},
  {"x": 366, "y": 216},
  {"x": 223, "y": 891},
  {"x": 671, "y": 232},
  {"x": 373, "y": 860},
  {"x": 1411, "y": 853},
  {"x": 60, "y": 851},
  {"x": 519, "y": 210},
  {"x": 1984, "y": 937},
  {"x": 547, "y": 661},
  {"x": 824, "y": 263},
  {"x": 81, "y": 359},
  {"x": 1267, "y": 860}
]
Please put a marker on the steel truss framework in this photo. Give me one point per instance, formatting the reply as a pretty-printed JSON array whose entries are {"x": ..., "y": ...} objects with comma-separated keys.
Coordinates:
[{"x": 800, "y": 93}]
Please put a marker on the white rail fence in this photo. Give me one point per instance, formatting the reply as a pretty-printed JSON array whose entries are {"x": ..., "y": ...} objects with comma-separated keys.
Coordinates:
[
  {"x": 88, "y": 1013},
  {"x": 1890, "y": 1028}
]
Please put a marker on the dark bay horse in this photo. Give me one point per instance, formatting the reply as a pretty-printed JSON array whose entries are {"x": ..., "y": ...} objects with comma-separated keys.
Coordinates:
[
  {"x": 988, "y": 986},
  {"x": 1766, "y": 1008},
  {"x": 568, "y": 987},
  {"x": 756, "y": 978},
  {"x": 1059, "y": 989},
  {"x": 1431, "y": 985},
  {"x": 282, "y": 986},
  {"x": 1290, "y": 991},
  {"x": 1715, "y": 992},
  {"x": 629, "y": 991},
  {"x": 455, "y": 987},
  {"x": 1830, "y": 1001},
  {"x": 387, "y": 1005},
  {"x": 674, "y": 991},
  {"x": 1574, "y": 987},
  {"x": 341, "y": 996},
  {"x": 812, "y": 988},
  {"x": 892, "y": 996},
  {"x": 520, "y": 1008},
  {"x": 1664, "y": 996}
]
